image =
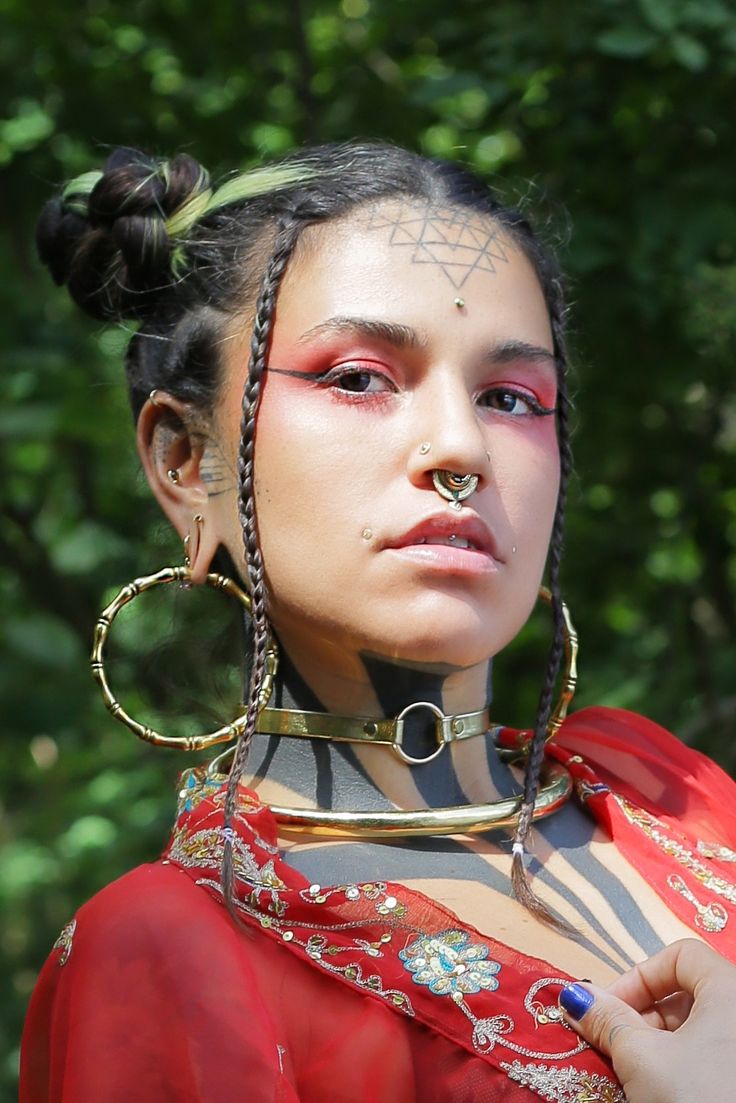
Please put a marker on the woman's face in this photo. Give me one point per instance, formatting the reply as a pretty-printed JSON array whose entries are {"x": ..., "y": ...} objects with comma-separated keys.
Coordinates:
[{"x": 377, "y": 377}]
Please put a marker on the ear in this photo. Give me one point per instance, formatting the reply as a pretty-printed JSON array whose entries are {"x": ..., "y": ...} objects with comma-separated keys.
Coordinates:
[{"x": 171, "y": 440}]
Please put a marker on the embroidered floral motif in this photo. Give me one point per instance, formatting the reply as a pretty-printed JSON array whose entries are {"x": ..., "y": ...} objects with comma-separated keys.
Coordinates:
[
  {"x": 656, "y": 831},
  {"x": 446, "y": 963},
  {"x": 565, "y": 1085},
  {"x": 197, "y": 785},
  {"x": 449, "y": 963},
  {"x": 64, "y": 942}
]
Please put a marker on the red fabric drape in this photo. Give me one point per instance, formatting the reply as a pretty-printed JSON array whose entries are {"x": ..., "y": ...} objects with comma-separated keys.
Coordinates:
[{"x": 367, "y": 992}]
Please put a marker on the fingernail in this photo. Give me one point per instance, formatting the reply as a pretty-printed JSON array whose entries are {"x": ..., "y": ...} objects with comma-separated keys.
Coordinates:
[{"x": 576, "y": 1000}]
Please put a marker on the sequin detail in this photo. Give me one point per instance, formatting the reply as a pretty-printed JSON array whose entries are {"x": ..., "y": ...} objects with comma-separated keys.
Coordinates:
[
  {"x": 709, "y": 917},
  {"x": 657, "y": 832},
  {"x": 449, "y": 962},
  {"x": 715, "y": 850},
  {"x": 64, "y": 942},
  {"x": 564, "y": 1085}
]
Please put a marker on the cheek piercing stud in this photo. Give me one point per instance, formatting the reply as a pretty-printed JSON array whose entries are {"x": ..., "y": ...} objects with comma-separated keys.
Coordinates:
[
  {"x": 367, "y": 534},
  {"x": 424, "y": 447}
]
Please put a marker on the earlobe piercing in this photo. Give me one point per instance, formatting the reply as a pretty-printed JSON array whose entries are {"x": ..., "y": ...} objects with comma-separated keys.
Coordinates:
[
  {"x": 191, "y": 549},
  {"x": 424, "y": 447}
]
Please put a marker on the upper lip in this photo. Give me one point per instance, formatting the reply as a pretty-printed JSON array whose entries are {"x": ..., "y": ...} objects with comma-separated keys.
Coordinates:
[{"x": 469, "y": 526}]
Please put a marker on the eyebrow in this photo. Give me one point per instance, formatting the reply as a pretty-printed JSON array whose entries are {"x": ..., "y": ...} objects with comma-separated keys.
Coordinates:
[
  {"x": 505, "y": 352},
  {"x": 400, "y": 336},
  {"x": 405, "y": 337}
]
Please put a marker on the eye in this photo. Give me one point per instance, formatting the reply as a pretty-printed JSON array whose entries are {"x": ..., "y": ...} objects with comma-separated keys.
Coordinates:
[
  {"x": 358, "y": 381},
  {"x": 514, "y": 403}
]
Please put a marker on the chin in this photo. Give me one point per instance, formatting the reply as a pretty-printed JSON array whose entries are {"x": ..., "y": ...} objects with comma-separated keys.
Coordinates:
[{"x": 455, "y": 643}]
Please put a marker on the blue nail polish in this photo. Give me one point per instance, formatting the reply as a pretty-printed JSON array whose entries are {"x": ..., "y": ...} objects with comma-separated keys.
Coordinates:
[{"x": 576, "y": 1000}]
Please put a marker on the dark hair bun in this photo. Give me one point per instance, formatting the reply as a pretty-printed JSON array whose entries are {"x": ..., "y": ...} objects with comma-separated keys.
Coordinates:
[{"x": 111, "y": 245}]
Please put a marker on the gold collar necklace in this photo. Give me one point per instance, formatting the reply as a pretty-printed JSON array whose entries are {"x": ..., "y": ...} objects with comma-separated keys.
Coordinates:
[
  {"x": 454, "y": 820},
  {"x": 461, "y": 819}
]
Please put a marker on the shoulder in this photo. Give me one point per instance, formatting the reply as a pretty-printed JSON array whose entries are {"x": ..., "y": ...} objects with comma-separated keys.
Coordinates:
[
  {"x": 651, "y": 766},
  {"x": 152, "y": 951}
]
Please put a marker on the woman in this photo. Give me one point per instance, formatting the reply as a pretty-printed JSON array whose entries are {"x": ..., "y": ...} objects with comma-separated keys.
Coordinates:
[{"x": 349, "y": 379}]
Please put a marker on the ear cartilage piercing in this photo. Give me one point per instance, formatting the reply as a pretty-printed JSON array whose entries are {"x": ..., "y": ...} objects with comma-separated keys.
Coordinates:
[
  {"x": 454, "y": 488},
  {"x": 459, "y": 303},
  {"x": 153, "y": 397},
  {"x": 367, "y": 533},
  {"x": 173, "y": 474},
  {"x": 424, "y": 447}
]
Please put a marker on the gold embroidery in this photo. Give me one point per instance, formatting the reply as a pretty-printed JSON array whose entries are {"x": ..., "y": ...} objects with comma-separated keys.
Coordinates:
[
  {"x": 64, "y": 942},
  {"x": 655, "y": 829},
  {"x": 565, "y": 1085},
  {"x": 203, "y": 850}
]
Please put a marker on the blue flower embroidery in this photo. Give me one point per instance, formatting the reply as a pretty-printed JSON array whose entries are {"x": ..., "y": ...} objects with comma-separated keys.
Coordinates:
[{"x": 448, "y": 963}]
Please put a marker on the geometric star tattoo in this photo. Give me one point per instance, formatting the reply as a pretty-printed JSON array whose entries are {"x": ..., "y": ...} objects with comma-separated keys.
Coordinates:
[{"x": 459, "y": 241}]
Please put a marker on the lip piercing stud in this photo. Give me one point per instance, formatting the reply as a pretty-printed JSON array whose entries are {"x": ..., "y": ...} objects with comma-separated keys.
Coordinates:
[
  {"x": 513, "y": 550},
  {"x": 367, "y": 534},
  {"x": 454, "y": 488},
  {"x": 424, "y": 447},
  {"x": 459, "y": 303},
  {"x": 173, "y": 474},
  {"x": 452, "y": 537}
]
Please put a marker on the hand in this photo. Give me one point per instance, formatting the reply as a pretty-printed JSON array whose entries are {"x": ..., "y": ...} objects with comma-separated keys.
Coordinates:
[{"x": 668, "y": 1025}]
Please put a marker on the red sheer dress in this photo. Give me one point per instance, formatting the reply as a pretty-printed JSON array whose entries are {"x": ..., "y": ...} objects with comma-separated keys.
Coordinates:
[{"x": 355, "y": 993}]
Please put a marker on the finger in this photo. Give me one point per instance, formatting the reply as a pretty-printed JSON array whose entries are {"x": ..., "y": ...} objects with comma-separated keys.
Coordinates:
[
  {"x": 680, "y": 967},
  {"x": 601, "y": 1019},
  {"x": 669, "y": 1014}
]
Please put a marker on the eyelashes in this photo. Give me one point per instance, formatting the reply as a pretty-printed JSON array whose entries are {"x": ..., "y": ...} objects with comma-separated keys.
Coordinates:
[{"x": 358, "y": 383}]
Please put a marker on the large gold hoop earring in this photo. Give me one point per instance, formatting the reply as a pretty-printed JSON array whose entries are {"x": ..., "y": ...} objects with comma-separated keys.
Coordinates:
[
  {"x": 182, "y": 575},
  {"x": 569, "y": 669}
]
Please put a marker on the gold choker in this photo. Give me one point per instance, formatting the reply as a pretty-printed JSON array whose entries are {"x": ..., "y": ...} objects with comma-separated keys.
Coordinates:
[
  {"x": 374, "y": 731},
  {"x": 456, "y": 820}
]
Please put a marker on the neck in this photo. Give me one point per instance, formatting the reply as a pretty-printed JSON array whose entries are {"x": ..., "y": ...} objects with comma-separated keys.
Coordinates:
[{"x": 325, "y": 774}]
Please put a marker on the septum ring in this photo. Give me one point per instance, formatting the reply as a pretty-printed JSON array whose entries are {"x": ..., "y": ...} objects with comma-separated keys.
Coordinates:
[{"x": 454, "y": 488}]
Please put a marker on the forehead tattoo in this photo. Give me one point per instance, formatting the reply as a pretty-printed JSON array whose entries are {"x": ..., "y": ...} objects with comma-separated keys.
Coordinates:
[{"x": 455, "y": 239}]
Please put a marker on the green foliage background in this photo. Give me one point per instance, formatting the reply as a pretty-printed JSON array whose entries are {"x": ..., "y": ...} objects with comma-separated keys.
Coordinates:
[{"x": 614, "y": 119}]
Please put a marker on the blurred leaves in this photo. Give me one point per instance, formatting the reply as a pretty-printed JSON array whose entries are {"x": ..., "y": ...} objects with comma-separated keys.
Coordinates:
[{"x": 612, "y": 120}]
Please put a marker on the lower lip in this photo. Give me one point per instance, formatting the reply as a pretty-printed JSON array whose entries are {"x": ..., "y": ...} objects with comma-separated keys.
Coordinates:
[{"x": 443, "y": 557}]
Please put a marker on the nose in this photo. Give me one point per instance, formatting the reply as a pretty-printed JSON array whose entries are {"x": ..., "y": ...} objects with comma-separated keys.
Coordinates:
[{"x": 448, "y": 435}]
